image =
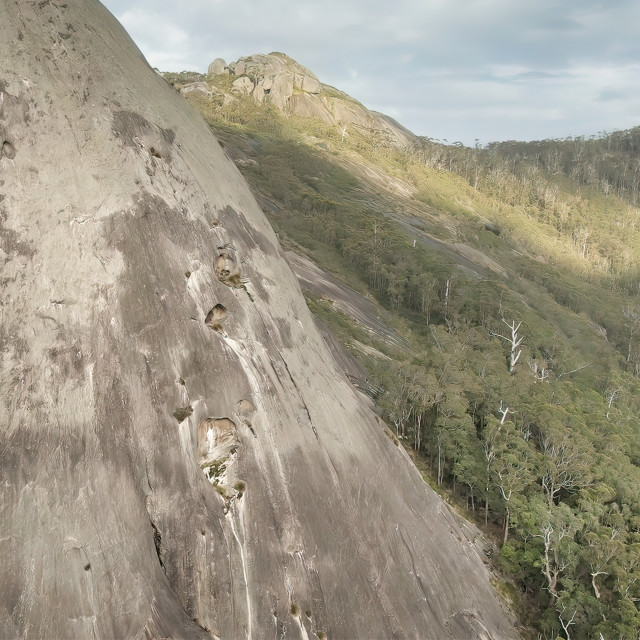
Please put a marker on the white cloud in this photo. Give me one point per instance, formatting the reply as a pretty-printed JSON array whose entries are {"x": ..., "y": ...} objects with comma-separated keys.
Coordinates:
[
  {"x": 489, "y": 69},
  {"x": 164, "y": 43}
]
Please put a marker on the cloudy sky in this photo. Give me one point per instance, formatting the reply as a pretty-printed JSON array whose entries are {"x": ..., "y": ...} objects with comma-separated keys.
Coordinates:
[{"x": 455, "y": 70}]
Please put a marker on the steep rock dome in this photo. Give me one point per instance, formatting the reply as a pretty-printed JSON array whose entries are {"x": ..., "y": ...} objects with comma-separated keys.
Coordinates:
[{"x": 181, "y": 456}]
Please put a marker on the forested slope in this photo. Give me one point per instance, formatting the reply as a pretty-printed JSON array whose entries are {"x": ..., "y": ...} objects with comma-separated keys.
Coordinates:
[{"x": 513, "y": 271}]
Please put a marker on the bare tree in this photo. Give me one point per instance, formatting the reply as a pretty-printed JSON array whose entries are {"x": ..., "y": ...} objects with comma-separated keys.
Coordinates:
[
  {"x": 515, "y": 340},
  {"x": 540, "y": 371},
  {"x": 504, "y": 411},
  {"x": 564, "y": 621},
  {"x": 581, "y": 239},
  {"x": 602, "y": 549},
  {"x": 565, "y": 468},
  {"x": 612, "y": 396},
  {"x": 557, "y": 528}
]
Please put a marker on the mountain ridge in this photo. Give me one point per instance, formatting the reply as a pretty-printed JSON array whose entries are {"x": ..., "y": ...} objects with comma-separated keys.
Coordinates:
[{"x": 277, "y": 79}]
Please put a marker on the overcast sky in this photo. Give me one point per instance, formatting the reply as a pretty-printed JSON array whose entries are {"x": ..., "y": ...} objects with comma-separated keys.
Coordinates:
[{"x": 458, "y": 70}]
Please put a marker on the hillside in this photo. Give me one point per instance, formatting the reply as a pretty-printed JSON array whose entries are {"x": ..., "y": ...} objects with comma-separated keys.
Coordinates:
[
  {"x": 181, "y": 454},
  {"x": 511, "y": 272}
]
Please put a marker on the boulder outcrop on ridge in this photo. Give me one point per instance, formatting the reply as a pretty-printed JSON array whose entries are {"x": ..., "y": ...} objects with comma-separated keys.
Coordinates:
[{"x": 294, "y": 89}]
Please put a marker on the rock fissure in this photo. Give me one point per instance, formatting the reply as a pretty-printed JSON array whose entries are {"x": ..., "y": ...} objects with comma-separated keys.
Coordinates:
[
  {"x": 231, "y": 515},
  {"x": 157, "y": 542},
  {"x": 301, "y": 397}
]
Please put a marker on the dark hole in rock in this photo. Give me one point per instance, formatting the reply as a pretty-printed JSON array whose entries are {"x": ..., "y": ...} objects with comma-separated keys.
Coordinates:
[
  {"x": 236, "y": 281},
  {"x": 154, "y": 152},
  {"x": 87, "y": 566},
  {"x": 157, "y": 541},
  {"x": 187, "y": 274},
  {"x": 294, "y": 610},
  {"x": 216, "y": 317},
  {"x": 8, "y": 150},
  {"x": 182, "y": 413}
]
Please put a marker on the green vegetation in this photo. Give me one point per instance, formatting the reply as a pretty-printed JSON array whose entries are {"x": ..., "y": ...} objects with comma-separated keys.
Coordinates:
[
  {"x": 179, "y": 80},
  {"x": 240, "y": 487},
  {"x": 519, "y": 393},
  {"x": 182, "y": 413}
]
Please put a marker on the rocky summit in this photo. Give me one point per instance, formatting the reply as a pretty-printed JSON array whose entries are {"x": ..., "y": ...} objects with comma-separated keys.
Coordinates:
[
  {"x": 277, "y": 79},
  {"x": 180, "y": 454}
]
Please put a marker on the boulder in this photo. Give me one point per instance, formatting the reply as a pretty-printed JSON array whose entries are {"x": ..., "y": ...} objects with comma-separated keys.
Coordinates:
[
  {"x": 243, "y": 85},
  {"x": 217, "y": 67},
  {"x": 276, "y": 76},
  {"x": 308, "y": 83},
  {"x": 202, "y": 88}
]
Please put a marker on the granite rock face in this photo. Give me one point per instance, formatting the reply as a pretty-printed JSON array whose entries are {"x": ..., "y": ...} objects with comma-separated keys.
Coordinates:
[
  {"x": 277, "y": 75},
  {"x": 180, "y": 455}
]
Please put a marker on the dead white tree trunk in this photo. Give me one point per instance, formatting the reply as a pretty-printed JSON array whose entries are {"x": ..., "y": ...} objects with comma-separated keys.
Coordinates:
[
  {"x": 515, "y": 340},
  {"x": 566, "y": 623},
  {"x": 540, "y": 371},
  {"x": 612, "y": 395},
  {"x": 504, "y": 412}
]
